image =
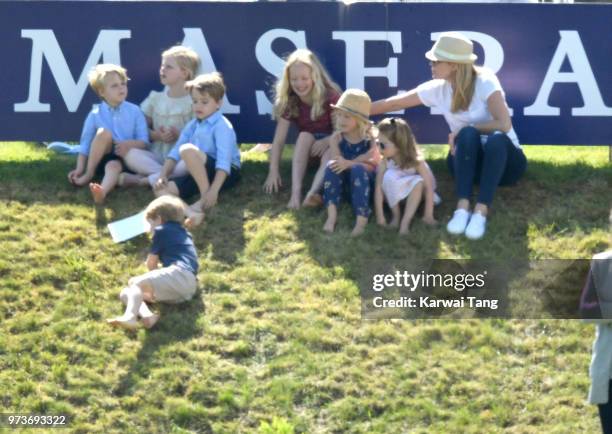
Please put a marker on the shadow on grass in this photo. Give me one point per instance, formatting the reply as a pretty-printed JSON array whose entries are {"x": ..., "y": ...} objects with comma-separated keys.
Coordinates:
[{"x": 177, "y": 323}]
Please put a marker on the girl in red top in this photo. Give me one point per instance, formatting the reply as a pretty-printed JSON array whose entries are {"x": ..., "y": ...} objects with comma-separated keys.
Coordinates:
[{"x": 303, "y": 96}]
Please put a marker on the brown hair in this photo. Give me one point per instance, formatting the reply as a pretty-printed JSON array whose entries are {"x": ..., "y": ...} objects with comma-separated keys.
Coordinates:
[
  {"x": 399, "y": 132},
  {"x": 211, "y": 83},
  {"x": 186, "y": 58},
  {"x": 168, "y": 208},
  {"x": 99, "y": 73}
]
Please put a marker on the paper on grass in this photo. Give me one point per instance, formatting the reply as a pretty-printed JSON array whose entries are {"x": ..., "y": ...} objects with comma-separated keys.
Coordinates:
[{"x": 129, "y": 227}]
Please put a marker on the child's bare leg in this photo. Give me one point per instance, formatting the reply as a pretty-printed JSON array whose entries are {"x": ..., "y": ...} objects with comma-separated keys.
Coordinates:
[
  {"x": 148, "y": 317},
  {"x": 360, "y": 225},
  {"x": 299, "y": 163},
  {"x": 100, "y": 146},
  {"x": 195, "y": 160},
  {"x": 317, "y": 182},
  {"x": 395, "y": 216},
  {"x": 412, "y": 203},
  {"x": 332, "y": 217},
  {"x": 132, "y": 296},
  {"x": 111, "y": 176}
]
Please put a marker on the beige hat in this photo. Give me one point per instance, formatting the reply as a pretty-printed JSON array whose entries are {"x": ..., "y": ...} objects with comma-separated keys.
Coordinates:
[
  {"x": 355, "y": 102},
  {"x": 452, "y": 47}
]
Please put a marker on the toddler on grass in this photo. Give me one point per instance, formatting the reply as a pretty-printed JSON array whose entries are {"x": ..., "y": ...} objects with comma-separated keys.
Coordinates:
[{"x": 176, "y": 280}]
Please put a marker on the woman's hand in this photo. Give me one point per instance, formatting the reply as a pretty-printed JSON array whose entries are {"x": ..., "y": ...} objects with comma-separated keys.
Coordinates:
[
  {"x": 340, "y": 164},
  {"x": 451, "y": 143}
]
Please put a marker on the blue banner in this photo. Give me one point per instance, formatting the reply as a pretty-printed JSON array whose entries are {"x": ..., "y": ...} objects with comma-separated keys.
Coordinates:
[{"x": 552, "y": 60}]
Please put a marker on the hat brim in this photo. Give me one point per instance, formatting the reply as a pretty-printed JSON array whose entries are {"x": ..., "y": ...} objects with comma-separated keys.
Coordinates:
[
  {"x": 352, "y": 112},
  {"x": 432, "y": 56}
]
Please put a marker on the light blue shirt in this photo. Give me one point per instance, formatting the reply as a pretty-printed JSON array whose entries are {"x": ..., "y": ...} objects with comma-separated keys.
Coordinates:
[
  {"x": 125, "y": 122},
  {"x": 215, "y": 137}
]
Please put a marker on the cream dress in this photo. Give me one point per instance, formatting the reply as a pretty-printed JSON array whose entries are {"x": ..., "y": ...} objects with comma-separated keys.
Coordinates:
[{"x": 167, "y": 112}]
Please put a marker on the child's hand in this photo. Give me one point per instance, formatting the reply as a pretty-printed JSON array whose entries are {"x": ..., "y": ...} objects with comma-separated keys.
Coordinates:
[
  {"x": 430, "y": 220},
  {"x": 210, "y": 199},
  {"x": 169, "y": 135},
  {"x": 121, "y": 149},
  {"x": 161, "y": 182},
  {"x": 73, "y": 174},
  {"x": 339, "y": 165},
  {"x": 273, "y": 183}
]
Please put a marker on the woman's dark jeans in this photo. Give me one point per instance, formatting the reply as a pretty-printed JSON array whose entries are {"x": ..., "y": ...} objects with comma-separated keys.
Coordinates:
[{"x": 497, "y": 162}]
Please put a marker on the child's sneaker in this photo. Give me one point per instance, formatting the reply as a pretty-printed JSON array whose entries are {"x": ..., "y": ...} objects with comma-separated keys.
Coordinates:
[
  {"x": 477, "y": 226},
  {"x": 457, "y": 224}
]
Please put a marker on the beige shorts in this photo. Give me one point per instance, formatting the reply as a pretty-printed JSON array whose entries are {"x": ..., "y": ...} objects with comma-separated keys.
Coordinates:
[{"x": 171, "y": 284}]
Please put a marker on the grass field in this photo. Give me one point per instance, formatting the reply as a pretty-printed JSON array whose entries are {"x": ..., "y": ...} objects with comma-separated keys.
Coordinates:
[{"x": 274, "y": 341}]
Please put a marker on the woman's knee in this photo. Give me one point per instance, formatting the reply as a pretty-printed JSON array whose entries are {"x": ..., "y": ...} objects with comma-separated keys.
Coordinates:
[{"x": 467, "y": 137}]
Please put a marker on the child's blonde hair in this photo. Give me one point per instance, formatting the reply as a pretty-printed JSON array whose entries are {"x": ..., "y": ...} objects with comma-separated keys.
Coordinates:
[
  {"x": 186, "y": 58},
  {"x": 97, "y": 76},
  {"x": 168, "y": 208},
  {"x": 211, "y": 83},
  {"x": 362, "y": 124},
  {"x": 399, "y": 132},
  {"x": 285, "y": 99}
]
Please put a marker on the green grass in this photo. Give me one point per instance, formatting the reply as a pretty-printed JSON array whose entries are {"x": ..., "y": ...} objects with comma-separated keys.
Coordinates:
[{"x": 274, "y": 342}]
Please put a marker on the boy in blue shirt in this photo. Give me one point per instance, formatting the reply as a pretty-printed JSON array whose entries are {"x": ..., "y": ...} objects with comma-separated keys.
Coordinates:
[
  {"x": 208, "y": 147},
  {"x": 176, "y": 281},
  {"x": 111, "y": 129}
]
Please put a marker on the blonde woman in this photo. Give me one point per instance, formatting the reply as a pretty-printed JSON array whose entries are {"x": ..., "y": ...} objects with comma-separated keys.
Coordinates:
[
  {"x": 484, "y": 148},
  {"x": 304, "y": 93}
]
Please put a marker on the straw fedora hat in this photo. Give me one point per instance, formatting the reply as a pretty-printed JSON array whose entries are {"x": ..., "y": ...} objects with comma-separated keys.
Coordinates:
[
  {"x": 355, "y": 102},
  {"x": 452, "y": 47}
]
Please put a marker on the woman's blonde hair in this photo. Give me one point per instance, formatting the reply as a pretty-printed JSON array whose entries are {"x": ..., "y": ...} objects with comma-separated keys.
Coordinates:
[
  {"x": 399, "y": 132},
  {"x": 168, "y": 208},
  {"x": 285, "y": 99},
  {"x": 186, "y": 58},
  {"x": 465, "y": 82}
]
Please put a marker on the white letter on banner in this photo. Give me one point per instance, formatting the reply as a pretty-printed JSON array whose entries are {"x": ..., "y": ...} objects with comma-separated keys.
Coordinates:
[
  {"x": 571, "y": 46},
  {"x": 493, "y": 53},
  {"x": 194, "y": 38},
  {"x": 271, "y": 62},
  {"x": 356, "y": 71},
  {"x": 44, "y": 44}
]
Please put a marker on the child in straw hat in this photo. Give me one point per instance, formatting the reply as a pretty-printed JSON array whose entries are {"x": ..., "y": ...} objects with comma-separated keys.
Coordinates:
[{"x": 354, "y": 157}]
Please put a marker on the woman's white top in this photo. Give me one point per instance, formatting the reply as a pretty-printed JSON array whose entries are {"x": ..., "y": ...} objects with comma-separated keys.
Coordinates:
[{"x": 438, "y": 93}]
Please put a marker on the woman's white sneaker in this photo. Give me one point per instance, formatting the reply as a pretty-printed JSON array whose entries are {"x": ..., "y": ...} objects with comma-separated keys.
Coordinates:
[
  {"x": 457, "y": 224},
  {"x": 477, "y": 226}
]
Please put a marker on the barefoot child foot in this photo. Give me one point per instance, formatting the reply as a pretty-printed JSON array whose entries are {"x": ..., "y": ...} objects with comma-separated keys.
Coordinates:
[
  {"x": 97, "y": 192},
  {"x": 127, "y": 322},
  {"x": 360, "y": 225},
  {"x": 314, "y": 200}
]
